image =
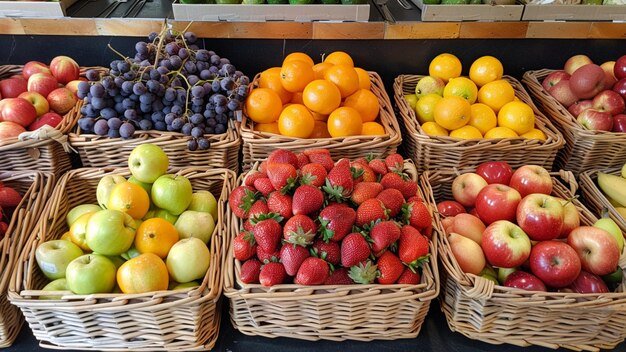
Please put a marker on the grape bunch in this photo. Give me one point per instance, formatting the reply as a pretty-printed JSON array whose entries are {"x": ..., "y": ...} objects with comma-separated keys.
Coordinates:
[{"x": 170, "y": 85}]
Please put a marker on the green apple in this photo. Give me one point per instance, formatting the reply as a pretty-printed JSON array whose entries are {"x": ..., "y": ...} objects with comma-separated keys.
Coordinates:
[
  {"x": 614, "y": 277},
  {"x": 131, "y": 253},
  {"x": 53, "y": 257},
  {"x": 195, "y": 224},
  {"x": 110, "y": 232},
  {"x": 165, "y": 215},
  {"x": 144, "y": 185},
  {"x": 429, "y": 85},
  {"x": 56, "y": 285},
  {"x": 611, "y": 227},
  {"x": 79, "y": 210},
  {"x": 91, "y": 273},
  {"x": 204, "y": 201},
  {"x": 176, "y": 286},
  {"x": 148, "y": 162},
  {"x": 117, "y": 260},
  {"x": 172, "y": 193},
  {"x": 488, "y": 270},
  {"x": 503, "y": 273},
  {"x": 188, "y": 260},
  {"x": 491, "y": 278},
  {"x": 105, "y": 186}
]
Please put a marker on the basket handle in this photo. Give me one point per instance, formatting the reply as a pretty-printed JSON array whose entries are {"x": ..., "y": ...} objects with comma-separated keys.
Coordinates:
[
  {"x": 47, "y": 132},
  {"x": 482, "y": 288}
]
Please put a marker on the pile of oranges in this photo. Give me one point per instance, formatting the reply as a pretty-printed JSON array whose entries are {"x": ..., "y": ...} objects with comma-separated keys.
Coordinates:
[
  {"x": 302, "y": 99},
  {"x": 481, "y": 106}
]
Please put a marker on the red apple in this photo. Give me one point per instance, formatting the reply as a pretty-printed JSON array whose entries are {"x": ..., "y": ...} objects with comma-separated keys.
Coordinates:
[
  {"x": 32, "y": 67},
  {"x": 619, "y": 70},
  {"x": 530, "y": 179},
  {"x": 73, "y": 86},
  {"x": 465, "y": 188},
  {"x": 10, "y": 130},
  {"x": 524, "y": 281},
  {"x": 450, "y": 208},
  {"x": 593, "y": 119},
  {"x": 51, "y": 119},
  {"x": 555, "y": 77},
  {"x": 12, "y": 87},
  {"x": 467, "y": 253},
  {"x": 578, "y": 107},
  {"x": 609, "y": 101},
  {"x": 65, "y": 69},
  {"x": 495, "y": 172},
  {"x": 505, "y": 244},
  {"x": 497, "y": 202},
  {"x": 39, "y": 102},
  {"x": 563, "y": 93},
  {"x": 573, "y": 63},
  {"x": 555, "y": 263},
  {"x": 18, "y": 110},
  {"x": 469, "y": 226},
  {"x": 473, "y": 212},
  {"x": 42, "y": 83},
  {"x": 540, "y": 216},
  {"x": 619, "y": 88},
  {"x": 571, "y": 218},
  {"x": 609, "y": 77},
  {"x": 62, "y": 100},
  {"x": 587, "y": 81},
  {"x": 588, "y": 283},
  {"x": 619, "y": 123},
  {"x": 597, "y": 249}
]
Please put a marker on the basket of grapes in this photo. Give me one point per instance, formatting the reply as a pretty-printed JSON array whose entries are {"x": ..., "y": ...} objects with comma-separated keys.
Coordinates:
[{"x": 171, "y": 93}]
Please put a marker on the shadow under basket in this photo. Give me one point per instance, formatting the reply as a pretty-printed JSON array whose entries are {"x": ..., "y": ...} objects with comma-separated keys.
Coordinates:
[
  {"x": 337, "y": 312},
  {"x": 595, "y": 198},
  {"x": 481, "y": 310},
  {"x": 181, "y": 320}
]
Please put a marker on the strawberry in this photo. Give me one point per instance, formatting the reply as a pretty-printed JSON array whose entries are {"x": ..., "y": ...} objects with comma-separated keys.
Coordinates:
[
  {"x": 264, "y": 185},
  {"x": 272, "y": 274},
  {"x": 3, "y": 229},
  {"x": 409, "y": 189},
  {"x": 283, "y": 176},
  {"x": 329, "y": 251},
  {"x": 336, "y": 222},
  {"x": 263, "y": 167},
  {"x": 244, "y": 246},
  {"x": 428, "y": 231},
  {"x": 292, "y": 256},
  {"x": 248, "y": 225},
  {"x": 363, "y": 173},
  {"x": 313, "y": 174},
  {"x": 415, "y": 198},
  {"x": 267, "y": 234},
  {"x": 252, "y": 176},
  {"x": 361, "y": 160},
  {"x": 302, "y": 160},
  {"x": 313, "y": 271},
  {"x": 320, "y": 156},
  {"x": 354, "y": 250},
  {"x": 283, "y": 156},
  {"x": 392, "y": 199},
  {"x": 394, "y": 162},
  {"x": 379, "y": 166},
  {"x": 392, "y": 180},
  {"x": 383, "y": 235},
  {"x": 413, "y": 247},
  {"x": 250, "y": 271},
  {"x": 370, "y": 211},
  {"x": 416, "y": 214},
  {"x": 364, "y": 273},
  {"x": 267, "y": 257},
  {"x": 389, "y": 267},
  {"x": 339, "y": 182},
  {"x": 408, "y": 277},
  {"x": 364, "y": 191},
  {"x": 258, "y": 208},
  {"x": 241, "y": 199},
  {"x": 299, "y": 226},
  {"x": 339, "y": 277},
  {"x": 280, "y": 203},
  {"x": 307, "y": 200}
]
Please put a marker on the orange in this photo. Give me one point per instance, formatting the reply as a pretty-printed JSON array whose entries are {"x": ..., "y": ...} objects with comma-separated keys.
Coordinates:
[
  {"x": 145, "y": 273},
  {"x": 295, "y": 75},
  {"x": 364, "y": 78},
  {"x": 433, "y": 129},
  {"x": 297, "y": 56},
  {"x": 501, "y": 132},
  {"x": 78, "y": 230},
  {"x": 365, "y": 102},
  {"x": 534, "y": 134},
  {"x": 344, "y": 77},
  {"x": 270, "y": 78},
  {"x": 425, "y": 107},
  {"x": 372, "y": 129},
  {"x": 466, "y": 132},
  {"x": 267, "y": 127},
  {"x": 445, "y": 66},
  {"x": 345, "y": 121},
  {"x": 156, "y": 236},
  {"x": 339, "y": 58},
  {"x": 318, "y": 116},
  {"x": 452, "y": 112},
  {"x": 321, "y": 96},
  {"x": 66, "y": 236},
  {"x": 320, "y": 130},
  {"x": 517, "y": 116},
  {"x": 263, "y": 105},
  {"x": 495, "y": 94},
  {"x": 296, "y": 121},
  {"x": 129, "y": 198},
  {"x": 486, "y": 69},
  {"x": 461, "y": 87},
  {"x": 320, "y": 69},
  {"x": 296, "y": 98},
  {"x": 482, "y": 117}
]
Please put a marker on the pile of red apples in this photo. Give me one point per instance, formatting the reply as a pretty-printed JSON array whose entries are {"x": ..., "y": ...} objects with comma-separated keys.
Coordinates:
[
  {"x": 39, "y": 96},
  {"x": 593, "y": 94}
]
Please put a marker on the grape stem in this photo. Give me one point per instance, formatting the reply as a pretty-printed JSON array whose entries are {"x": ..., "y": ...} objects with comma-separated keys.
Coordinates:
[{"x": 118, "y": 53}]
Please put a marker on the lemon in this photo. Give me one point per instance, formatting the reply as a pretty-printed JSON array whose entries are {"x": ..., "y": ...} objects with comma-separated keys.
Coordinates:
[
  {"x": 425, "y": 107},
  {"x": 461, "y": 87}
]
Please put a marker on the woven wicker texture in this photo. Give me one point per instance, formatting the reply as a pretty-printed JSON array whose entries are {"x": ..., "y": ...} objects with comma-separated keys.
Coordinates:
[
  {"x": 433, "y": 153},
  {"x": 258, "y": 145},
  {"x": 35, "y": 187},
  {"x": 584, "y": 149},
  {"x": 183, "y": 320},
  {"x": 595, "y": 198},
  {"x": 480, "y": 310},
  {"x": 346, "y": 312}
]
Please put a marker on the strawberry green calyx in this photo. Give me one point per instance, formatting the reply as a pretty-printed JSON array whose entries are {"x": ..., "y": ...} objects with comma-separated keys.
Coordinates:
[
  {"x": 248, "y": 200},
  {"x": 406, "y": 213},
  {"x": 249, "y": 237},
  {"x": 369, "y": 157},
  {"x": 300, "y": 237},
  {"x": 356, "y": 173},
  {"x": 326, "y": 233},
  {"x": 307, "y": 179},
  {"x": 292, "y": 182},
  {"x": 418, "y": 263},
  {"x": 364, "y": 273},
  {"x": 255, "y": 220},
  {"x": 335, "y": 193}
]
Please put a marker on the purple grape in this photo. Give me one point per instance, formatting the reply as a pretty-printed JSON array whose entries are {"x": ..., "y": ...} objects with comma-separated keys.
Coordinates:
[
  {"x": 129, "y": 76},
  {"x": 192, "y": 145},
  {"x": 219, "y": 129},
  {"x": 176, "y": 62},
  {"x": 215, "y": 60},
  {"x": 177, "y": 124},
  {"x": 130, "y": 114},
  {"x": 204, "y": 144},
  {"x": 160, "y": 126},
  {"x": 183, "y": 53},
  {"x": 197, "y": 92},
  {"x": 197, "y": 132},
  {"x": 98, "y": 103},
  {"x": 145, "y": 125},
  {"x": 127, "y": 130},
  {"x": 139, "y": 88},
  {"x": 101, "y": 128},
  {"x": 186, "y": 130},
  {"x": 92, "y": 75},
  {"x": 114, "y": 123},
  {"x": 190, "y": 37},
  {"x": 141, "y": 47},
  {"x": 177, "y": 110},
  {"x": 114, "y": 133},
  {"x": 97, "y": 90},
  {"x": 193, "y": 79},
  {"x": 146, "y": 98},
  {"x": 86, "y": 124},
  {"x": 196, "y": 119}
]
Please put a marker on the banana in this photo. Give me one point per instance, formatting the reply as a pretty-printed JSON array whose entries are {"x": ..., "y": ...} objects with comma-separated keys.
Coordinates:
[
  {"x": 621, "y": 211},
  {"x": 624, "y": 171},
  {"x": 614, "y": 187}
]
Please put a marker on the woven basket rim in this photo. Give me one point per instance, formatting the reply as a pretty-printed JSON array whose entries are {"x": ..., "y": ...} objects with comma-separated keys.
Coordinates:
[{"x": 591, "y": 191}]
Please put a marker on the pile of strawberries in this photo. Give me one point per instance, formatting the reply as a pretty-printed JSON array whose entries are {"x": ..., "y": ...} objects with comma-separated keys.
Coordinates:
[
  {"x": 9, "y": 199},
  {"x": 311, "y": 221}
]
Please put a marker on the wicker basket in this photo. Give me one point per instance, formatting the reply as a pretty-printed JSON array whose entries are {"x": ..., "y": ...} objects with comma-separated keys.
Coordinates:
[
  {"x": 35, "y": 188},
  {"x": 346, "y": 312},
  {"x": 46, "y": 155},
  {"x": 182, "y": 320},
  {"x": 258, "y": 145},
  {"x": 595, "y": 198},
  {"x": 584, "y": 149},
  {"x": 434, "y": 153},
  {"x": 480, "y": 310}
]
